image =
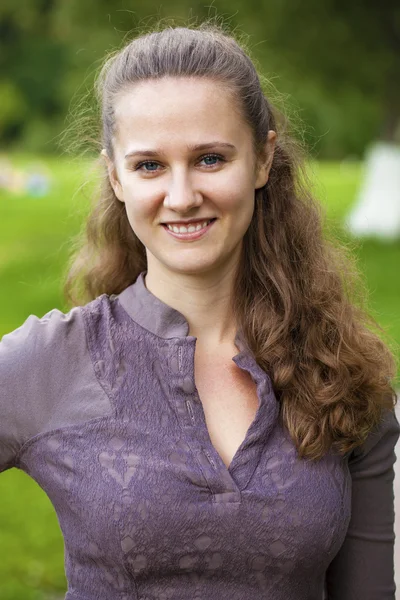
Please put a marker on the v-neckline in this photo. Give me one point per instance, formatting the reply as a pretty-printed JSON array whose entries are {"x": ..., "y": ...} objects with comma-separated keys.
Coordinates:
[
  {"x": 235, "y": 477},
  {"x": 205, "y": 370}
]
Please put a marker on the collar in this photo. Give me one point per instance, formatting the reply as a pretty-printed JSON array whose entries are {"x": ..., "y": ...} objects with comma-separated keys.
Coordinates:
[{"x": 154, "y": 315}]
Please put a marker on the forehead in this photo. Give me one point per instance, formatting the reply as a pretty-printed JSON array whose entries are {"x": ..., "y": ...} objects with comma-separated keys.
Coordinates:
[{"x": 178, "y": 108}]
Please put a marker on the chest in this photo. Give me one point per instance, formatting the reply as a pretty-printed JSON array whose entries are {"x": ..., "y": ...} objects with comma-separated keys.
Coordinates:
[{"x": 229, "y": 398}]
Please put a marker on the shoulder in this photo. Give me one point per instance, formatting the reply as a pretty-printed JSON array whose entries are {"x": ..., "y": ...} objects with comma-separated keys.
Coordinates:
[
  {"x": 49, "y": 336},
  {"x": 379, "y": 447}
]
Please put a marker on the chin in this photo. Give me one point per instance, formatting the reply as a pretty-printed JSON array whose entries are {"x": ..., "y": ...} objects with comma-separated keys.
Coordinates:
[{"x": 188, "y": 267}]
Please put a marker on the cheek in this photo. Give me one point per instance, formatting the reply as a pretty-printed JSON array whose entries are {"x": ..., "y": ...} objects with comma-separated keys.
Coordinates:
[
  {"x": 141, "y": 201},
  {"x": 242, "y": 205},
  {"x": 237, "y": 198}
]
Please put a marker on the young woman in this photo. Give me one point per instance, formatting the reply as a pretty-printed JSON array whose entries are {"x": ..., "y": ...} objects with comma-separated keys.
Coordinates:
[{"x": 213, "y": 418}]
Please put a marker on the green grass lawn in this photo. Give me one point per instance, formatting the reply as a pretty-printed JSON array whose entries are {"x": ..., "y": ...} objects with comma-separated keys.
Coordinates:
[{"x": 34, "y": 239}]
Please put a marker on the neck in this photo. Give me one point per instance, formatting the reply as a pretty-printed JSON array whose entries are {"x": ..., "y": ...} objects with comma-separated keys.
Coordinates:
[{"x": 203, "y": 299}]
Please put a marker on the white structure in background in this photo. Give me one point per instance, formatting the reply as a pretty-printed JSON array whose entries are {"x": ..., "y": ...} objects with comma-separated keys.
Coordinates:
[{"x": 377, "y": 210}]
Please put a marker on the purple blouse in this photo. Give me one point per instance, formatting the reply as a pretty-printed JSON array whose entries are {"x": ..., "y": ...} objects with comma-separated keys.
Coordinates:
[{"x": 99, "y": 406}]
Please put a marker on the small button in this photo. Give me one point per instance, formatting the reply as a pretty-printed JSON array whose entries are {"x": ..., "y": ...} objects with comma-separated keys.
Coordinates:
[{"x": 188, "y": 385}]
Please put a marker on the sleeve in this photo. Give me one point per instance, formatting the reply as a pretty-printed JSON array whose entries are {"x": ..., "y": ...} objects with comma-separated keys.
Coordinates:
[
  {"x": 363, "y": 569},
  {"x": 22, "y": 360},
  {"x": 46, "y": 380}
]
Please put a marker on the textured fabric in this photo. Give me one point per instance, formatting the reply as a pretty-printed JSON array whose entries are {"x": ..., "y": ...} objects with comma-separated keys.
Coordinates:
[{"x": 100, "y": 407}]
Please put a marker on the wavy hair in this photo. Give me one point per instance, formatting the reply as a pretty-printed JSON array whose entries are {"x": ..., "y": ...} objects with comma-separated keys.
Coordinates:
[{"x": 298, "y": 295}]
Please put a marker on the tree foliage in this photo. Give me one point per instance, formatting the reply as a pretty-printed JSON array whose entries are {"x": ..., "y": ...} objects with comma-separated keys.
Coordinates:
[{"x": 337, "y": 63}]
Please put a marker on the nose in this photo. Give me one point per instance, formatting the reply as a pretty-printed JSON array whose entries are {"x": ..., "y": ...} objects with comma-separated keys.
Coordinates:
[{"x": 181, "y": 194}]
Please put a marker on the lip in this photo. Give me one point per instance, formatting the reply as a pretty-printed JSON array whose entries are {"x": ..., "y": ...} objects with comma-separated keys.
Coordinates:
[
  {"x": 194, "y": 235},
  {"x": 197, "y": 221}
]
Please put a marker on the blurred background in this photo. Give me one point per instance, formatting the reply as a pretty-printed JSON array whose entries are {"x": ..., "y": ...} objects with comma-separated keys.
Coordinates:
[{"x": 333, "y": 66}]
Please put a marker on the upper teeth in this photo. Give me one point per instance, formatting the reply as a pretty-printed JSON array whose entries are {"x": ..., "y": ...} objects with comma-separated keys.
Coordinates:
[{"x": 190, "y": 229}]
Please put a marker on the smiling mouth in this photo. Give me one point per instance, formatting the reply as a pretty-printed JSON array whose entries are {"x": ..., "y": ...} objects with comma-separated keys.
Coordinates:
[
  {"x": 191, "y": 232},
  {"x": 189, "y": 227}
]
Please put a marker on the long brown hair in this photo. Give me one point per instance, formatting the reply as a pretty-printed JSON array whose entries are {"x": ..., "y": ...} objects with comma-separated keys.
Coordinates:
[{"x": 298, "y": 296}]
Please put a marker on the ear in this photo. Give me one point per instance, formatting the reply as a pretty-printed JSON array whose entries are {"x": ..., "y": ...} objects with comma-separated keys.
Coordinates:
[
  {"x": 265, "y": 167},
  {"x": 113, "y": 176}
]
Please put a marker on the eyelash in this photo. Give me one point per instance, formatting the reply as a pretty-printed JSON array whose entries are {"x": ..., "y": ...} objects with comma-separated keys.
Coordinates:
[{"x": 153, "y": 162}]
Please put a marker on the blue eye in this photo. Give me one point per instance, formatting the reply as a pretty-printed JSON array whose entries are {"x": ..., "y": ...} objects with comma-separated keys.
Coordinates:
[
  {"x": 213, "y": 157},
  {"x": 147, "y": 162}
]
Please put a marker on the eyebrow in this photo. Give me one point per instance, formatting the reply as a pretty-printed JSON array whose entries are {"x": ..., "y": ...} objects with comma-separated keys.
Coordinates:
[{"x": 192, "y": 148}]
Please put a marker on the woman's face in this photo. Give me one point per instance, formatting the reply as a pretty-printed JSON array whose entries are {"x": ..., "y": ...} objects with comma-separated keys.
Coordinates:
[{"x": 182, "y": 152}]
